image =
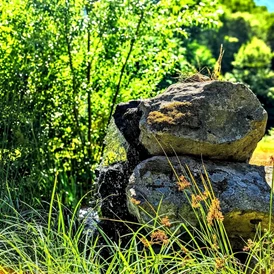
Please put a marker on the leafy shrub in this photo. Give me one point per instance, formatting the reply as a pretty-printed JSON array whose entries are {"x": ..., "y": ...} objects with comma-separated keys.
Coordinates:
[{"x": 64, "y": 65}]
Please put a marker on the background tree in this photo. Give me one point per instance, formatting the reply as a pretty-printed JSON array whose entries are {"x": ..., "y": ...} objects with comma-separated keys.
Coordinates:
[{"x": 246, "y": 33}]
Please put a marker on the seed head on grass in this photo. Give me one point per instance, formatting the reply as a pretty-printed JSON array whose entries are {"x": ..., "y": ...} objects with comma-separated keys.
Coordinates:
[
  {"x": 215, "y": 242},
  {"x": 184, "y": 249},
  {"x": 206, "y": 194},
  {"x": 165, "y": 221},
  {"x": 145, "y": 242},
  {"x": 183, "y": 183},
  {"x": 134, "y": 201},
  {"x": 188, "y": 262},
  {"x": 196, "y": 199},
  {"x": 159, "y": 237},
  {"x": 219, "y": 263},
  {"x": 214, "y": 212},
  {"x": 250, "y": 245}
]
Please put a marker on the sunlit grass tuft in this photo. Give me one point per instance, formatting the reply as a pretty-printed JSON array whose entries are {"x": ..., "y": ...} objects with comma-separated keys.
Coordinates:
[
  {"x": 264, "y": 151},
  {"x": 38, "y": 242}
]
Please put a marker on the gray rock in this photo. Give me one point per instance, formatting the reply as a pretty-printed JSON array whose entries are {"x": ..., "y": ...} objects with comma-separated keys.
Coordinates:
[
  {"x": 241, "y": 189},
  {"x": 269, "y": 174},
  {"x": 218, "y": 120}
]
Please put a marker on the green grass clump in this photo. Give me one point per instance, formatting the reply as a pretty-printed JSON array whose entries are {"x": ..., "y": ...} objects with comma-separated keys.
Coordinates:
[{"x": 55, "y": 242}]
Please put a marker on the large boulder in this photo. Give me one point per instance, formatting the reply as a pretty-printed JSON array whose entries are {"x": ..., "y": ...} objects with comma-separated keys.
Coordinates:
[
  {"x": 218, "y": 120},
  {"x": 241, "y": 188}
]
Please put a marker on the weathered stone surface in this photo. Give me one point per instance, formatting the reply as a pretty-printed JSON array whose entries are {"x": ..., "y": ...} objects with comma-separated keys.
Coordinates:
[
  {"x": 241, "y": 189},
  {"x": 219, "y": 120},
  {"x": 269, "y": 174}
]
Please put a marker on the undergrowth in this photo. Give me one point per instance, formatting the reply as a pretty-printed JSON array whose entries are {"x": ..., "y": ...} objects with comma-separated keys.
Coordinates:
[{"x": 57, "y": 242}]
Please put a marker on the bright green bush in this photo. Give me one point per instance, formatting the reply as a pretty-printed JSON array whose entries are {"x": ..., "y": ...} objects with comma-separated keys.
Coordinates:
[
  {"x": 35, "y": 241},
  {"x": 64, "y": 65},
  {"x": 253, "y": 55}
]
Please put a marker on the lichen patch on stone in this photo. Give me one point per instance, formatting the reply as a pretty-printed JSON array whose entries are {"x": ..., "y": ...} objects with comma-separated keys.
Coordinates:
[
  {"x": 172, "y": 113},
  {"x": 175, "y": 105}
]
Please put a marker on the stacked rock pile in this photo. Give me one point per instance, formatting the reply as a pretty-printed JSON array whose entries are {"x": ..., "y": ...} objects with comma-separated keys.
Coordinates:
[{"x": 212, "y": 128}]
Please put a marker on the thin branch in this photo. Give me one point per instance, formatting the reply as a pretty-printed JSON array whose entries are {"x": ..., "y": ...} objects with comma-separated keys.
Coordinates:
[
  {"x": 89, "y": 92},
  {"x": 88, "y": 77},
  {"x": 118, "y": 86},
  {"x": 74, "y": 88}
]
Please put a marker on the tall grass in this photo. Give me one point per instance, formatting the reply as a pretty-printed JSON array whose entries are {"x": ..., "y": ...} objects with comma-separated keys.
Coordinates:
[{"x": 35, "y": 241}]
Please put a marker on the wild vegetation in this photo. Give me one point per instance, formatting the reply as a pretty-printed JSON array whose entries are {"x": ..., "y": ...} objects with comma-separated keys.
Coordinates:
[
  {"x": 246, "y": 32},
  {"x": 64, "y": 65},
  {"x": 36, "y": 242}
]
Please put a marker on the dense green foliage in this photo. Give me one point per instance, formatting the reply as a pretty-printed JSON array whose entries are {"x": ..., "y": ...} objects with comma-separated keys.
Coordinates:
[
  {"x": 64, "y": 65},
  {"x": 246, "y": 32},
  {"x": 46, "y": 242}
]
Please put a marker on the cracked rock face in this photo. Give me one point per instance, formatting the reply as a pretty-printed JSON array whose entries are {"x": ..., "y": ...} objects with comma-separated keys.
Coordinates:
[
  {"x": 218, "y": 120},
  {"x": 241, "y": 188}
]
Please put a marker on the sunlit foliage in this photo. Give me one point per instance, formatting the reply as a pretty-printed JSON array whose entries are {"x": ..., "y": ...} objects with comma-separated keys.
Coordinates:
[{"x": 64, "y": 65}]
